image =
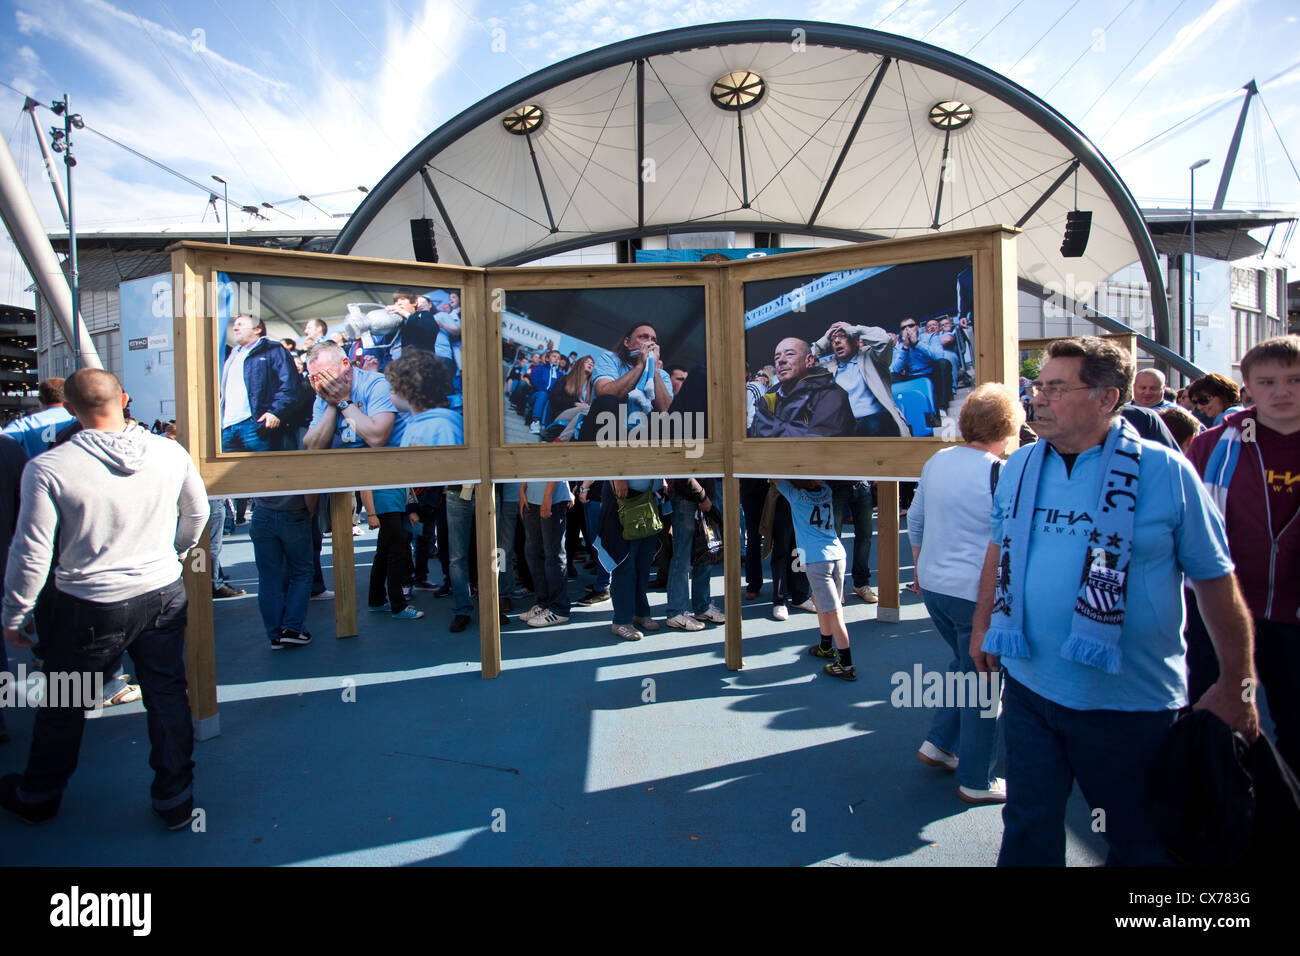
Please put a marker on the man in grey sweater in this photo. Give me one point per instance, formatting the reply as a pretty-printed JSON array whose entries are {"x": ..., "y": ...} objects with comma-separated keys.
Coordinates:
[{"x": 126, "y": 505}]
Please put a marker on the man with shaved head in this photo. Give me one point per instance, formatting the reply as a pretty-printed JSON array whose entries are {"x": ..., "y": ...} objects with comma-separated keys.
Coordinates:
[
  {"x": 126, "y": 505},
  {"x": 805, "y": 402}
]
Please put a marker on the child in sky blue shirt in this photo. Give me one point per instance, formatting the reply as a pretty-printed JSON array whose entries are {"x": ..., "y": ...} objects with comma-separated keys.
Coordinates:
[{"x": 823, "y": 555}]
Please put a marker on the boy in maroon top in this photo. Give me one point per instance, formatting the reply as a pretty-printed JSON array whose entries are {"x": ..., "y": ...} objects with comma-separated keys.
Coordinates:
[{"x": 1251, "y": 466}]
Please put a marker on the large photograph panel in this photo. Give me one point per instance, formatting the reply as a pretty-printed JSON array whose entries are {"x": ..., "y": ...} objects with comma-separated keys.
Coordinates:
[
  {"x": 306, "y": 364},
  {"x": 615, "y": 366},
  {"x": 880, "y": 352}
]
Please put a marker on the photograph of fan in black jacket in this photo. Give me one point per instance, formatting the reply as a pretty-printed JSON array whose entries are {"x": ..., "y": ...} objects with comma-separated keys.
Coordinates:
[{"x": 805, "y": 402}]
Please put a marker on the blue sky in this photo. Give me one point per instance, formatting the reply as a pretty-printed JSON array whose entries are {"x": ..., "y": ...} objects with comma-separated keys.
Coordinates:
[{"x": 283, "y": 97}]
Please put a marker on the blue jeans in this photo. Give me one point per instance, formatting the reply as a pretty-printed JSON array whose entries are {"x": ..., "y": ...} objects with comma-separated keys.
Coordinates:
[
  {"x": 680, "y": 568},
  {"x": 282, "y": 550},
  {"x": 244, "y": 436},
  {"x": 1110, "y": 753},
  {"x": 460, "y": 526},
  {"x": 627, "y": 583},
  {"x": 89, "y": 639},
  {"x": 544, "y": 545},
  {"x": 857, "y": 498},
  {"x": 962, "y": 730}
]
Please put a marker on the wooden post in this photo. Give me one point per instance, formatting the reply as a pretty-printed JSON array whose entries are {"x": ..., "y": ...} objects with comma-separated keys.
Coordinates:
[
  {"x": 732, "y": 569},
  {"x": 345, "y": 567},
  {"x": 484, "y": 429},
  {"x": 723, "y": 296},
  {"x": 489, "y": 563},
  {"x": 887, "y": 550},
  {"x": 200, "y": 649}
]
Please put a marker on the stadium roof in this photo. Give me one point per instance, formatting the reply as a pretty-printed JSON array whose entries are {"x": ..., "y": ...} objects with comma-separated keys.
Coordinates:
[{"x": 849, "y": 133}]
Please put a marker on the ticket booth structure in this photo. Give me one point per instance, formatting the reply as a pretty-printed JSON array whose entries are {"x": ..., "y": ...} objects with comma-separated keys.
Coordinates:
[{"x": 703, "y": 308}]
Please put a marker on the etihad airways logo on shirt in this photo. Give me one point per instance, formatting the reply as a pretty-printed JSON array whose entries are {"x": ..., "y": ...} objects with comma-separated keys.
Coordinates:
[{"x": 1058, "y": 516}]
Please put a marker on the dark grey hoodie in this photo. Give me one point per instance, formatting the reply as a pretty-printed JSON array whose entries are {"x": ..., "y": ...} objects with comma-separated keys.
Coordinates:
[{"x": 126, "y": 505}]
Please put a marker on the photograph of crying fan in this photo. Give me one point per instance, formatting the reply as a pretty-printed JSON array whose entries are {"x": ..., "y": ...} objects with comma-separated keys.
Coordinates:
[
  {"x": 302, "y": 364},
  {"x": 619, "y": 367},
  {"x": 880, "y": 352}
]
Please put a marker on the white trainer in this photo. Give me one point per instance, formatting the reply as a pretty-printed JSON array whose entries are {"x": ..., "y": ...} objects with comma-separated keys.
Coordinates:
[
  {"x": 546, "y": 619},
  {"x": 684, "y": 622},
  {"x": 996, "y": 793},
  {"x": 932, "y": 756},
  {"x": 712, "y": 615}
]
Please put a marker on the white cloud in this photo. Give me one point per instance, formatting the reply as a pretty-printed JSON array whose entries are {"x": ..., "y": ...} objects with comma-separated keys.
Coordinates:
[
  {"x": 1186, "y": 37},
  {"x": 27, "y": 23}
]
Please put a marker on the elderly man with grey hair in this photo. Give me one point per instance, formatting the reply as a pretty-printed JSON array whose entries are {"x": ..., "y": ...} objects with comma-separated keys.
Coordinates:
[{"x": 1094, "y": 530}]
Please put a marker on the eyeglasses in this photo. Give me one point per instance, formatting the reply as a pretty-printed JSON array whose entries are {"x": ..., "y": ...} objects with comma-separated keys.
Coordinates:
[{"x": 1053, "y": 393}]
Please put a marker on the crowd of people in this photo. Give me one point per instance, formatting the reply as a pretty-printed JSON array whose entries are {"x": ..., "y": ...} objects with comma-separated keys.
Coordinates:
[
  {"x": 843, "y": 384},
  {"x": 1088, "y": 671},
  {"x": 566, "y": 397}
]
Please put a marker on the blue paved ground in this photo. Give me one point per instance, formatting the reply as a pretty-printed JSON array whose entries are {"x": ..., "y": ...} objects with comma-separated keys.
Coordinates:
[{"x": 561, "y": 752}]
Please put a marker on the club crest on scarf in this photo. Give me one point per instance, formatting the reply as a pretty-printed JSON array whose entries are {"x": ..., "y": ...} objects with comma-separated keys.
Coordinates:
[{"x": 1101, "y": 592}]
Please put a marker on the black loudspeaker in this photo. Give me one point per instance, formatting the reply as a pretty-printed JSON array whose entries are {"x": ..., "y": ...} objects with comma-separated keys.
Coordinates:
[
  {"x": 422, "y": 241},
  {"x": 1078, "y": 223}
]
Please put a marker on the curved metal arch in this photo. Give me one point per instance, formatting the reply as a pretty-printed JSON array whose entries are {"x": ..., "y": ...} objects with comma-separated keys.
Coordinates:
[{"x": 858, "y": 39}]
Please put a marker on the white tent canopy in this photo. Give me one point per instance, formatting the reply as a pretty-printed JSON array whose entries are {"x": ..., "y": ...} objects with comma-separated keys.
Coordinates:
[{"x": 840, "y": 143}]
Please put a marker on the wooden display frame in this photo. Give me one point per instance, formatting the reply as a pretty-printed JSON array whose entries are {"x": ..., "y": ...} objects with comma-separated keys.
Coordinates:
[
  {"x": 486, "y": 457},
  {"x": 1126, "y": 340},
  {"x": 229, "y": 474}
]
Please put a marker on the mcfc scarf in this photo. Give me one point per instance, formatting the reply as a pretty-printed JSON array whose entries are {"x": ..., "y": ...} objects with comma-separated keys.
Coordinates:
[{"x": 1098, "y": 617}]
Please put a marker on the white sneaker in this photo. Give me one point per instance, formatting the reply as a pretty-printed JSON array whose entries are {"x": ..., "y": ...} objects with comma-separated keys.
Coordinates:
[
  {"x": 932, "y": 756},
  {"x": 323, "y": 596},
  {"x": 645, "y": 623},
  {"x": 531, "y": 613},
  {"x": 535, "y": 427},
  {"x": 866, "y": 594},
  {"x": 546, "y": 619},
  {"x": 807, "y": 605},
  {"x": 996, "y": 793},
  {"x": 626, "y": 631},
  {"x": 684, "y": 622},
  {"x": 780, "y": 612},
  {"x": 712, "y": 615}
]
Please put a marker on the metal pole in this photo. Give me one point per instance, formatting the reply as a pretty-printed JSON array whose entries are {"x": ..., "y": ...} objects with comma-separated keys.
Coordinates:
[
  {"x": 1191, "y": 277},
  {"x": 55, "y": 182},
  {"x": 225, "y": 192},
  {"x": 24, "y": 225},
  {"x": 75, "y": 283}
]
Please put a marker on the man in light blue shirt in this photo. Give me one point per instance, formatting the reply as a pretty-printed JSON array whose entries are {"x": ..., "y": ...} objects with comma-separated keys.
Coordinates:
[
  {"x": 1066, "y": 719},
  {"x": 616, "y": 374},
  {"x": 913, "y": 355},
  {"x": 36, "y": 432},
  {"x": 353, "y": 408}
]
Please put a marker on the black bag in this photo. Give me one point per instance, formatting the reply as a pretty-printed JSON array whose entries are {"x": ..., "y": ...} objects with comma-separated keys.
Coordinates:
[{"x": 706, "y": 547}]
